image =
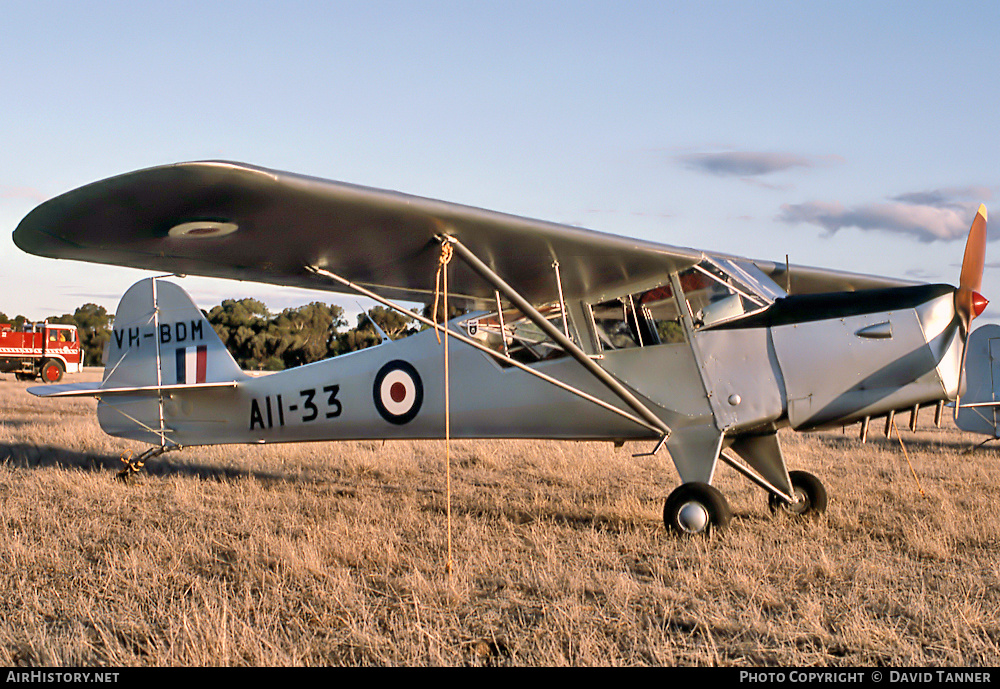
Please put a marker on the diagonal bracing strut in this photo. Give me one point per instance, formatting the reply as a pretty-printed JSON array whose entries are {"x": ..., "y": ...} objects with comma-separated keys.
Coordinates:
[{"x": 558, "y": 337}]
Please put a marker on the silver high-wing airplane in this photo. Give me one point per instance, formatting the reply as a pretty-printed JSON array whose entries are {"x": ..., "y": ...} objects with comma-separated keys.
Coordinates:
[{"x": 573, "y": 334}]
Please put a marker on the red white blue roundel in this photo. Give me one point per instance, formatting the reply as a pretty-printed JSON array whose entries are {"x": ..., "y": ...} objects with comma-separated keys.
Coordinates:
[{"x": 398, "y": 392}]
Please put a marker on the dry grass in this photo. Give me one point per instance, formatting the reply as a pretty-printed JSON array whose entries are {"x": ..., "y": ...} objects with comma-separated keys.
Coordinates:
[{"x": 336, "y": 553}]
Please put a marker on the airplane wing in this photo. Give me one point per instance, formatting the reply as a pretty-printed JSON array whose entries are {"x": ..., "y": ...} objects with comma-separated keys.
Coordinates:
[
  {"x": 809, "y": 280},
  {"x": 230, "y": 220}
]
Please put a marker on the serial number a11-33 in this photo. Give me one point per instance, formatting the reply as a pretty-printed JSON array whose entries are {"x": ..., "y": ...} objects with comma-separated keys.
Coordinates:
[{"x": 310, "y": 405}]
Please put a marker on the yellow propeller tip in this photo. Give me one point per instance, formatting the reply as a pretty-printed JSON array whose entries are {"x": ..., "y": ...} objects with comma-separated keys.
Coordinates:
[{"x": 982, "y": 210}]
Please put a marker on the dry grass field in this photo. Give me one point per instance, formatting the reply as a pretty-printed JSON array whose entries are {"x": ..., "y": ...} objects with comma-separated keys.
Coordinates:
[{"x": 336, "y": 554}]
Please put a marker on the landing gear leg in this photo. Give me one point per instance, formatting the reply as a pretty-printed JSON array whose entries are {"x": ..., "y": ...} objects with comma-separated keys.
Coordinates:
[{"x": 696, "y": 508}]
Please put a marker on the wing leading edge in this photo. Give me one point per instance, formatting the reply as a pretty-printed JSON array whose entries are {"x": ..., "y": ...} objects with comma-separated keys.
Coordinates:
[{"x": 229, "y": 220}]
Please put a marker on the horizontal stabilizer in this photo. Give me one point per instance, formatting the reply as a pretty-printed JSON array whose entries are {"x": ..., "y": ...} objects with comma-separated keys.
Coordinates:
[
  {"x": 67, "y": 390},
  {"x": 95, "y": 389}
]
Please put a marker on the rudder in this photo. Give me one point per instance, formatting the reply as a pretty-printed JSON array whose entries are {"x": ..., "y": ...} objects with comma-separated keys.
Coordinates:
[{"x": 161, "y": 338}]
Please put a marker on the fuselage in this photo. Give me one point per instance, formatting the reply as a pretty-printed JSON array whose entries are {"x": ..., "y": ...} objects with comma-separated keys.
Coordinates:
[{"x": 808, "y": 362}]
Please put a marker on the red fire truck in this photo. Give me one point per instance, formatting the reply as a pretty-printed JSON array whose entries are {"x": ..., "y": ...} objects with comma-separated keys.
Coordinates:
[{"x": 40, "y": 350}]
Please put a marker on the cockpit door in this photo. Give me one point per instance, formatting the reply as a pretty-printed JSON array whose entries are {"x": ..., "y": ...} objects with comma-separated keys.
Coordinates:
[{"x": 738, "y": 366}]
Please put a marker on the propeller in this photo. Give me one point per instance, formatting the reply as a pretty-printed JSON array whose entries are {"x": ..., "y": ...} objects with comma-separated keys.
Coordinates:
[{"x": 969, "y": 303}]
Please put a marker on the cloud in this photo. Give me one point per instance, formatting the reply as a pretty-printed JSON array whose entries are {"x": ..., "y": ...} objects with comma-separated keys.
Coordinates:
[
  {"x": 948, "y": 197},
  {"x": 940, "y": 214},
  {"x": 8, "y": 192},
  {"x": 746, "y": 163}
]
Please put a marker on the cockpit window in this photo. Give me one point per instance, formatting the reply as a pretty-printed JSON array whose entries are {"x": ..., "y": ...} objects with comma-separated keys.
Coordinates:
[
  {"x": 617, "y": 326},
  {"x": 642, "y": 319},
  {"x": 755, "y": 279},
  {"x": 662, "y": 312},
  {"x": 714, "y": 291},
  {"x": 721, "y": 290}
]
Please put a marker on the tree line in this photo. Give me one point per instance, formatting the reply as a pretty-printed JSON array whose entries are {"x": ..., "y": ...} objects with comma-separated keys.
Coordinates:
[{"x": 257, "y": 338}]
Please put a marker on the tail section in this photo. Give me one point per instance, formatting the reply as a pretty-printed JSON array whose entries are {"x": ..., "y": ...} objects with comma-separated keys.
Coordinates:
[{"x": 162, "y": 351}]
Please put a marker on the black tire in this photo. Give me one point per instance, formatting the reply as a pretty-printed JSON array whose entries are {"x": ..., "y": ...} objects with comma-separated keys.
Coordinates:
[
  {"x": 696, "y": 508},
  {"x": 52, "y": 371},
  {"x": 810, "y": 494}
]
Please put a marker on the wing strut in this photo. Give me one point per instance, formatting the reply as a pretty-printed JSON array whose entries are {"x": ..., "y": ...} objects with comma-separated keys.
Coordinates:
[
  {"x": 472, "y": 343},
  {"x": 559, "y": 338}
]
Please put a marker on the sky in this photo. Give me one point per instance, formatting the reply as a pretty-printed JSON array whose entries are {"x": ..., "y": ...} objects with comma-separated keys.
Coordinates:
[{"x": 859, "y": 136}]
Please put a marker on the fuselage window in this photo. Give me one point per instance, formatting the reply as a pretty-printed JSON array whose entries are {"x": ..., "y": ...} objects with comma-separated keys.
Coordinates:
[
  {"x": 513, "y": 334},
  {"x": 660, "y": 308},
  {"x": 643, "y": 319}
]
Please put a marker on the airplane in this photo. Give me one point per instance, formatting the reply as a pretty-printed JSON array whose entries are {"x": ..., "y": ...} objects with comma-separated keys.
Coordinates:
[{"x": 568, "y": 333}]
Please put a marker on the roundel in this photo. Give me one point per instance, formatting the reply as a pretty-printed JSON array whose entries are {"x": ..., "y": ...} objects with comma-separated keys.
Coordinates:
[{"x": 398, "y": 392}]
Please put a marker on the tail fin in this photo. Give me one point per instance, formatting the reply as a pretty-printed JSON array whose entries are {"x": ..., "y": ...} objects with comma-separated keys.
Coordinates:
[
  {"x": 160, "y": 338},
  {"x": 161, "y": 347}
]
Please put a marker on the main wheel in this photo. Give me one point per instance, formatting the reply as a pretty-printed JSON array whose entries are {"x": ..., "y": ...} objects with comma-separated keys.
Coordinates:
[
  {"x": 809, "y": 494},
  {"x": 52, "y": 372},
  {"x": 696, "y": 508}
]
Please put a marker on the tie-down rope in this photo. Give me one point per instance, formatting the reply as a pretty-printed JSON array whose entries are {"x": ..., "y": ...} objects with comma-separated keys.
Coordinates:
[{"x": 441, "y": 289}]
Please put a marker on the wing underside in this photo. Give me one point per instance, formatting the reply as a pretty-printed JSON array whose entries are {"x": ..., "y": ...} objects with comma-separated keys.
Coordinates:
[{"x": 230, "y": 220}]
